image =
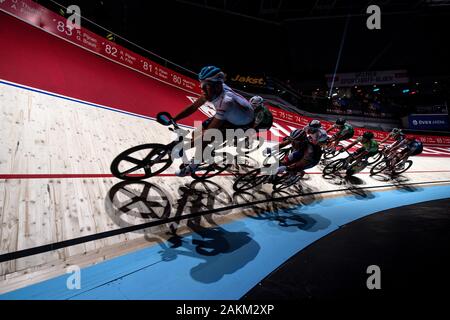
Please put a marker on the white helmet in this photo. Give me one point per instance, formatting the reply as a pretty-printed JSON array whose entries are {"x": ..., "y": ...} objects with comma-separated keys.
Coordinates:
[
  {"x": 315, "y": 124},
  {"x": 256, "y": 101}
]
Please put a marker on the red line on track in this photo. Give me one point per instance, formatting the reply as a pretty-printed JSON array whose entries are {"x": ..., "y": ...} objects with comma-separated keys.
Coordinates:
[{"x": 80, "y": 176}]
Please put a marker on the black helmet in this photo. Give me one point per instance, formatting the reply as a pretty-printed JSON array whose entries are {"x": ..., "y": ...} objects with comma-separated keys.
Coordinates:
[
  {"x": 368, "y": 135},
  {"x": 297, "y": 134},
  {"x": 340, "y": 121}
]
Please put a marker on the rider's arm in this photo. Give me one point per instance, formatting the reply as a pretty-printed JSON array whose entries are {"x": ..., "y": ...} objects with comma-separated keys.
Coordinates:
[
  {"x": 398, "y": 145},
  {"x": 215, "y": 124},
  {"x": 351, "y": 145},
  {"x": 190, "y": 109},
  {"x": 385, "y": 139},
  {"x": 331, "y": 128},
  {"x": 283, "y": 143}
]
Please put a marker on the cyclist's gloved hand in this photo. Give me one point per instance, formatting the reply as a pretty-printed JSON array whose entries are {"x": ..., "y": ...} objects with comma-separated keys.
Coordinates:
[
  {"x": 281, "y": 169},
  {"x": 268, "y": 151}
]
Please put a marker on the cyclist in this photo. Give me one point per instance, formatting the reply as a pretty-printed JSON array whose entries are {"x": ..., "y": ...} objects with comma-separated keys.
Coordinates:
[
  {"x": 369, "y": 146},
  {"x": 316, "y": 134},
  {"x": 304, "y": 153},
  {"x": 398, "y": 137},
  {"x": 263, "y": 116},
  {"x": 410, "y": 146},
  {"x": 345, "y": 131},
  {"x": 232, "y": 110}
]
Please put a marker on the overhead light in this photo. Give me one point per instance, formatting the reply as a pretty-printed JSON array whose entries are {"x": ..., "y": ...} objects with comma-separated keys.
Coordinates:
[
  {"x": 334, "y": 94},
  {"x": 376, "y": 89},
  {"x": 393, "y": 84},
  {"x": 405, "y": 90}
]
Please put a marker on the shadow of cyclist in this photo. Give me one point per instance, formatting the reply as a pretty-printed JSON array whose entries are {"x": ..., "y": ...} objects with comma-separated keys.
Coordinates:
[{"x": 219, "y": 251}]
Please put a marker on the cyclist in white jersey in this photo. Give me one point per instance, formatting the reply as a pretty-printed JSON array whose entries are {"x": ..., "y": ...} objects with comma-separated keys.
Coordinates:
[
  {"x": 316, "y": 134},
  {"x": 232, "y": 110}
]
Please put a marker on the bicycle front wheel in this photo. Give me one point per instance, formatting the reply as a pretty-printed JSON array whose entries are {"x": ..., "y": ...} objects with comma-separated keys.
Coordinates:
[
  {"x": 249, "y": 180},
  {"x": 379, "y": 167},
  {"x": 334, "y": 167},
  {"x": 374, "y": 159},
  {"x": 141, "y": 162},
  {"x": 398, "y": 169}
]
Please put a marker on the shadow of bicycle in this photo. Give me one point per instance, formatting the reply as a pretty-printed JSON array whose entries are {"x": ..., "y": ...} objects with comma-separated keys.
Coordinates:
[
  {"x": 284, "y": 213},
  {"x": 139, "y": 202}
]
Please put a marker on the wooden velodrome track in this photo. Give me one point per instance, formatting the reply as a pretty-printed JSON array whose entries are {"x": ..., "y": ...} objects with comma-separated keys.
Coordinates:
[{"x": 56, "y": 185}]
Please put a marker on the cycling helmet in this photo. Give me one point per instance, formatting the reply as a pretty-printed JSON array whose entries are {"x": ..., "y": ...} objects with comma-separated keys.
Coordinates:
[
  {"x": 212, "y": 74},
  {"x": 340, "y": 122},
  {"x": 297, "y": 134},
  {"x": 368, "y": 135},
  {"x": 256, "y": 101},
  {"x": 396, "y": 131},
  {"x": 315, "y": 124}
]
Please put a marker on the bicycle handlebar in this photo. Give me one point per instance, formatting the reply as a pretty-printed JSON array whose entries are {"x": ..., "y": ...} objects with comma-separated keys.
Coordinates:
[{"x": 166, "y": 119}]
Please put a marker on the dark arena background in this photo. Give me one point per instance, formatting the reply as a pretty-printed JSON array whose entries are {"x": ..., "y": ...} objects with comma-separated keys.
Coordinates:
[{"x": 96, "y": 203}]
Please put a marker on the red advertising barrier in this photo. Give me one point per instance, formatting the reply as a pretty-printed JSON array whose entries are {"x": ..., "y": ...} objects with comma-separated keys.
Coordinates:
[
  {"x": 55, "y": 24},
  {"x": 298, "y": 120}
]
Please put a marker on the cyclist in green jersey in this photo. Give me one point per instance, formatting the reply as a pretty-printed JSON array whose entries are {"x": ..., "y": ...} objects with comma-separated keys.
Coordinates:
[
  {"x": 369, "y": 146},
  {"x": 345, "y": 131}
]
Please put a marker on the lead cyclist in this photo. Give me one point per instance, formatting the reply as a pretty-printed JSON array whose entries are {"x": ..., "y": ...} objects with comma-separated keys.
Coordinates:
[{"x": 232, "y": 111}]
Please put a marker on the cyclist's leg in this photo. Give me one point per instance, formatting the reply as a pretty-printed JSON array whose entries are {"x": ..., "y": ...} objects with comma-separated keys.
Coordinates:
[
  {"x": 370, "y": 154},
  {"x": 358, "y": 153}
]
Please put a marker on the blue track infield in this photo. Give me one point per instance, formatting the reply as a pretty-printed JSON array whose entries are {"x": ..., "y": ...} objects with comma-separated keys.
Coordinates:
[{"x": 224, "y": 262}]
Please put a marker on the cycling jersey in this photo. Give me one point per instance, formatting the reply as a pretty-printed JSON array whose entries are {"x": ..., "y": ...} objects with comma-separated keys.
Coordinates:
[
  {"x": 309, "y": 152},
  {"x": 263, "y": 118},
  {"x": 347, "y": 130},
  {"x": 320, "y": 136},
  {"x": 233, "y": 108},
  {"x": 370, "y": 146}
]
